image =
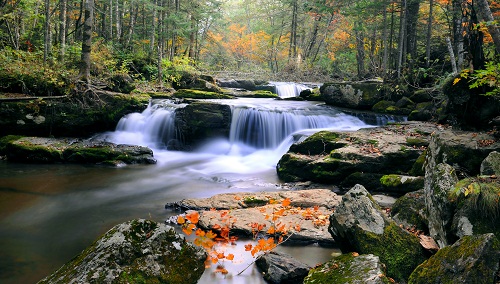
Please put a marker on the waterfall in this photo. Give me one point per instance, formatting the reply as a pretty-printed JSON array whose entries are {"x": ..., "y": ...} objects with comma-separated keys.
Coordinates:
[
  {"x": 267, "y": 129},
  {"x": 288, "y": 89},
  {"x": 154, "y": 127}
]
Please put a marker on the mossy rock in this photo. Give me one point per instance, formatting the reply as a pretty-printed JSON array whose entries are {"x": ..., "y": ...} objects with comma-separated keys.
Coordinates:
[
  {"x": 322, "y": 142},
  {"x": 382, "y": 106},
  {"x": 418, "y": 168},
  {"x": 401, "y": 183},
  {"x": 472, "y": 259},
  {"x": 72, "y": 150},
  {"x": 262, "y": 94},
  {"x": 410, "y": 210},
  {"x": 420, "y": 96},
  {"x": 199, "y": 94},
  {"x": 138, "y": 251},
  {"x": 349, "y": 268},
  {"x": 401, "y": 257}
]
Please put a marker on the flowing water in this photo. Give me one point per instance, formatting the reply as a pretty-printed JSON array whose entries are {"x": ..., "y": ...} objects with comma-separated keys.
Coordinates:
[{"x": 49, "y": 213}]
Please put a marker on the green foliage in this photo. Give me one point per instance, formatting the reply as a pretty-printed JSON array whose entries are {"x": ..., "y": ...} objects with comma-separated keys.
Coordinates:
[
  {"x": 488, "y": 77},
  {"x": 177, "y": 67},
  {"x": 481, "y": 194}
]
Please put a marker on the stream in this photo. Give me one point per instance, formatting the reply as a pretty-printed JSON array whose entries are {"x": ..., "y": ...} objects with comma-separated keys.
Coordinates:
[{"x": 51, "y": 212}]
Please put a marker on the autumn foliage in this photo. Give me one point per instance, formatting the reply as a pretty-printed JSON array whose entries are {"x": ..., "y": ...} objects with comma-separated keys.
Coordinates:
[{"x": 266, "y": 238}]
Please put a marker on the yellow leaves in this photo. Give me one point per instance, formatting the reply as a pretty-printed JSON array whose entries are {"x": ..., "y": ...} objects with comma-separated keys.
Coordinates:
[
  {"x": 181, "y": 220},
  {"x": 286, "y": 202},
  {"x": 193, "y": 217},
  {"x": 456, "y": 80},
  {"x": 263, "y": 245}
]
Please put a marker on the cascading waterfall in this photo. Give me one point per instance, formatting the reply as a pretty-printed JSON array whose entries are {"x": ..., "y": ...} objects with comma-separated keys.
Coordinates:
[
  {"x": 289, "y": 90},
  {"x": 265, "y": 129},
  {"x": 154, "y": 127}
]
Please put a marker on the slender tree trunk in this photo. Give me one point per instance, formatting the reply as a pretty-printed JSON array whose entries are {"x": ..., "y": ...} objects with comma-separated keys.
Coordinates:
[
  {"x": 192, "y": 38},
  {"x": 391, "y": 43},
  {"x": 292, "y": 50},
  {"x": 360, "y": 48},
  {"x": 428, "y": 37},
  {"x": 46, "y": 27},
  {"x": 402, "y": 35},
  {"x": 452, "y": 56},
  {"x": 87, "y": 41},
  {"x": 62, "y": 29},
  {"x": 153, "y": 30},
  {"x": 385, "y": 57},
  {"x": 412, "y": 8},
  {"x": 118, "y": 21},
  {"x": 314, "y": 36},
  {"x": 133, "y": 19},
  {"x": 484, "y": 12},
  {"x": 161, "y": 40},
  {"x": 110, "y": 19}
]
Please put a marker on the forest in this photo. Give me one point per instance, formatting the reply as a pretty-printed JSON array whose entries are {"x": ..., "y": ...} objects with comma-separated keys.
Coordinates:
[{"x": 412, "y": 42}]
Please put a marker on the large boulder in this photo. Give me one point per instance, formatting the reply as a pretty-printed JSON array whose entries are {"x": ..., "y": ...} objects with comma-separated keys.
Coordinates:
[
  {"x": 472, "y": 259},
  {"x": 74, "y": 150},
  {"x": 451, "y": 153},
  {"x": 199, "y": 121},
  {"x": 138, "y": 251},
  {"x": 343, "y": 157},
  {"x": 491, "y": 164},
  {"x": 409, "y": 210},
  {"x": 358, "y": 225},
  {"x": 281, "y": 268},
  {"x": 349, "y": 268},
  {"x": 356, "y": 95}
]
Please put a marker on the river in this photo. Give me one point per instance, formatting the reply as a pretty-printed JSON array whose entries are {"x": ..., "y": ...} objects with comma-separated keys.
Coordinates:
[{"x": 51, "y": 212}]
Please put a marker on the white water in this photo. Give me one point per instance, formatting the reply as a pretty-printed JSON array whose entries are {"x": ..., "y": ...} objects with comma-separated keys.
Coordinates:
[
  {"x": 289, "y": 89},
  {"x": 262, "y": 130}
]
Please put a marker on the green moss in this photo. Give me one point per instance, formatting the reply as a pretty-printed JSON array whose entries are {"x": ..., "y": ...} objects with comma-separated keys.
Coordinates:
[
  {"x": 253, "y": 201},
  {"x": 341, "y": 269},
  {"x": 417, "y": 142},
  {"x": 320, "y": 143},
  {"x": 4, "y": 141},
  {"x": 438, "y": 266},
  {"x": 400, "y": 251},
  {"x": 262, "y": 94},
  {"x": 199, "y": 94},
  {"x": 391, "y": 180},
  {"x": 418, "y": 167},
  {"x": 481, "y": 195}
]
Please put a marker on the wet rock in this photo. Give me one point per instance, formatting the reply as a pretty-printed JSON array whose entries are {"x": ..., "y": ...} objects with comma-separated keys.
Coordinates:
[
  {"x": 472, "y": 259},
  {"x": 358, "y": 225},
  {"x": 122, "y": 83},
  {"x": 202, "y": 120},
  {"x": 73, "y": 150},
  {"x": 349, "y": 268},
  {"x": 282, "y": 268},
  {"x": 138, "y": 251}
]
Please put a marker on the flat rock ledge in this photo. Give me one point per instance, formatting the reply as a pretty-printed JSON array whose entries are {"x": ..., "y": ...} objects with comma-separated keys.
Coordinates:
[
  {"x": 74, "y": 150},
  {"x": 309, "y": 210}
]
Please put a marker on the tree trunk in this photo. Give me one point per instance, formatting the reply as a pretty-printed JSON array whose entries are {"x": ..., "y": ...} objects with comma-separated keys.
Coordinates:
[
  {"x": 428, "y": 37},
  {"x": 452, "y": 56},
  {"x": 412, "y": 8},
  {"x": 484, "y": 11},
  {"x": 385, "y": 58},
  {"x": 292, "y": 50},
  {"x": 133, "y": 19},
  {"x": 402, "y": 35},
  {"x": 161, "y": 41},
  {"x": 153, "y": 31},
  {"x": 87, "y": 41},
  {"x": 62, "y": 29},
  {"x": 360, "y": 48},
  {"x": 46, "y": 27}
]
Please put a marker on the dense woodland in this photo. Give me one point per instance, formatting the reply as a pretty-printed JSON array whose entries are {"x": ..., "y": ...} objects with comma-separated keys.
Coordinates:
[{"x": 410, "y": 41}]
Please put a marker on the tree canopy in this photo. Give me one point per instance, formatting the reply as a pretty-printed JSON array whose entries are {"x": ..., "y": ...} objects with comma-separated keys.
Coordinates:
[{"x": 412, "y": 39}]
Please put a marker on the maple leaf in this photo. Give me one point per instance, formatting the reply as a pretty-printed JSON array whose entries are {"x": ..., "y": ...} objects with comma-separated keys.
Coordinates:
[
  {"x": 230, "y": 256},
  {"x": 181, "y": 220},
  {"x": 248, "y": 247},
  {"x": 193, "y": 217},
  {"x": 286, "y": 202},
  {"x": 200, "y": 233}
]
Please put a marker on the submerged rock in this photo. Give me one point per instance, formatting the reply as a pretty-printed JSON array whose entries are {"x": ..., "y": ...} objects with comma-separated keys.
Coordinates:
[
  {"x": 73, "y": 150},
  {"x": 472, "y": 259},
  {"x": 349, "y": 268},
  {"x": 138, "y": 251},
  {"x": 358, "y": 225},
  {"x": 282, "y": 268}
]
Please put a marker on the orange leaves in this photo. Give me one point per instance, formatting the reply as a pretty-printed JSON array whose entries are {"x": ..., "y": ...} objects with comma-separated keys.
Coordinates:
[
  {"x": 263, "y": 245},
  {"x": 286, "y": 202},
  {"x": 193, "y": 217}
]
